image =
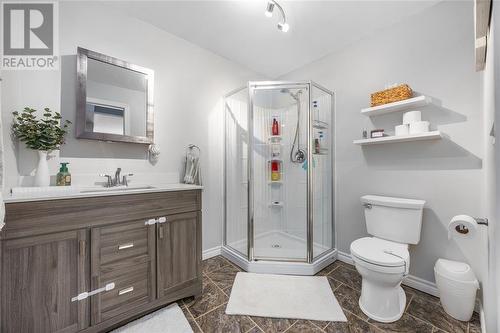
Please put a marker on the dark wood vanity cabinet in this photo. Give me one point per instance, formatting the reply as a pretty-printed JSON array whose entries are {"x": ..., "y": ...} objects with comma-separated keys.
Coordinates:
[
  {"x": 40, "y": 275},
  {"x": 148, "y": 246},
  {"x": 178, "y": 260},
  {"x": 123, "y": 254}
]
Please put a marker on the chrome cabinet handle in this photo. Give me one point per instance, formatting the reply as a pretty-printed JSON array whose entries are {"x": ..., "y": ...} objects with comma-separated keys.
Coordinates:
[
  {"x": 125, "y": 291},
  {"x": 125, "y": 246},
  {"x": 162, "y": 219},
  {"x": 151, "y": 222}
]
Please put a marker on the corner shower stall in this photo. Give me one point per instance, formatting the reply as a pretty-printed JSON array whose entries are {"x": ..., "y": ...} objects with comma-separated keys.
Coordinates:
[{"x": 279, "y": 177}]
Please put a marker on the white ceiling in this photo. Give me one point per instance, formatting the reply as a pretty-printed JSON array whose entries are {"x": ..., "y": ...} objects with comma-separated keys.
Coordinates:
[{"x": 239, "y": 31}]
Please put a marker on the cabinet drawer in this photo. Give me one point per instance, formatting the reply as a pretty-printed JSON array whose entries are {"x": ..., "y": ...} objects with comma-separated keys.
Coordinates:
[
  {"x": 132, "y": 289},
  {"x": 122, "y": 241}
]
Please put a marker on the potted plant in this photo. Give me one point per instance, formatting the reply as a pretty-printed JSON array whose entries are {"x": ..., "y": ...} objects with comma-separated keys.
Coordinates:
[{"x": 43, "y": 134}]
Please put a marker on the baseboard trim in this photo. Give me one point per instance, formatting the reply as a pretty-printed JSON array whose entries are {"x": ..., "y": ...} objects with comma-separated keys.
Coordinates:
[
  {"x": 422, "y": 285},
  {"x": 410, "y": 281},
  {"x": 344, "y": 257},
  {"x": 209, "y": 253}
]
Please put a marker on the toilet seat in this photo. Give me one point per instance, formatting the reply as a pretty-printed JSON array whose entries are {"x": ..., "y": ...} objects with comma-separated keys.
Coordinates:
[{"x": 381, "y": 253}]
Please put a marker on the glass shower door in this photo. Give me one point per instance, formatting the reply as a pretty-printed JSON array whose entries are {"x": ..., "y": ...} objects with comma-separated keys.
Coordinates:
[
  {"x": 322, "y": 171},
  {"x": 278, "y": 179},
  {"x": 236, "y": 171}
]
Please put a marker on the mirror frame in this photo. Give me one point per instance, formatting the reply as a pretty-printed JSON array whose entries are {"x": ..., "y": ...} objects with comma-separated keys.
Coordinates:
[{"x": 81, "y": 99}]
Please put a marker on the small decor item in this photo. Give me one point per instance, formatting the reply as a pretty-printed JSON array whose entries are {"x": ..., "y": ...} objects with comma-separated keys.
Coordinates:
[
  {"x": 377, "y": 133},
  {"x": 154, "y": 153},
  {"x": 41, "y": 134},
  {"x": 192, "y": 170},
  {"x": 391, "y": 95}
]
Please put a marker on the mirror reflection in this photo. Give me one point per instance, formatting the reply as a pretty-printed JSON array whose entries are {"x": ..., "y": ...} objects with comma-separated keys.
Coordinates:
[{"x": 116, "y": 99}]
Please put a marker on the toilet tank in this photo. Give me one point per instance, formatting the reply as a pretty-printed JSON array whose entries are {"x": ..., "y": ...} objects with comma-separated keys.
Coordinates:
[{"x": 394, "y": 219}]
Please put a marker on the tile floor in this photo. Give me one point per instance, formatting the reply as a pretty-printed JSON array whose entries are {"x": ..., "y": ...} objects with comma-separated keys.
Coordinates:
[{"x": 206, "y": 314}]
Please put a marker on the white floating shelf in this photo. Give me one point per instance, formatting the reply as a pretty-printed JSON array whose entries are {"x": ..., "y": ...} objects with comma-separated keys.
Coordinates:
[
  {"x": 397, "y": 106},
  {"x": 434, "y": 135},
  {"x": 276, "y": 182},
  {"x": 276, "y": 204},
  {"x": 274, "y": 138}
]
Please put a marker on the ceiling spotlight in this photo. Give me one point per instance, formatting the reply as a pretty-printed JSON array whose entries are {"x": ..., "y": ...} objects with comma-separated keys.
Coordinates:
[
  {"x": 269, "y": 9},
  {"x": 283, "y": 26}
]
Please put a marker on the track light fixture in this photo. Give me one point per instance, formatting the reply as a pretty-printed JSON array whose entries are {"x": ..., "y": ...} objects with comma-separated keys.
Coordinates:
[
  {"x": 269, "y": 9},
  {"x": 283, "y": 26}
]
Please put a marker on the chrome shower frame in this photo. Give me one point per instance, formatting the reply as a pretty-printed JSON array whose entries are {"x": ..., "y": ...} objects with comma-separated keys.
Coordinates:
[{"x": 249, "y": 262}]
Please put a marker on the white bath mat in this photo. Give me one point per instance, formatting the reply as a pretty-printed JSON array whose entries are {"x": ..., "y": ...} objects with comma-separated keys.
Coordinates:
[
  {"x": 284, "y": 296},
  {"x": 167, "y": 320}
]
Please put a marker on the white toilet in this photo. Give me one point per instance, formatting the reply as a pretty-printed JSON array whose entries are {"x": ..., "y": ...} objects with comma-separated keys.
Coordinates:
[{"x": 383, "y": 260}]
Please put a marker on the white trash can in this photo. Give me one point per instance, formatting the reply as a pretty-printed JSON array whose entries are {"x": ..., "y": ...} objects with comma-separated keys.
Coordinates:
[{"x": 457, "y": 286}]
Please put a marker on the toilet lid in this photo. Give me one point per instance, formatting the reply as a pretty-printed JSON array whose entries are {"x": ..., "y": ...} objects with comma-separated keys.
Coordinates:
[{"x": 380, "y": 251}]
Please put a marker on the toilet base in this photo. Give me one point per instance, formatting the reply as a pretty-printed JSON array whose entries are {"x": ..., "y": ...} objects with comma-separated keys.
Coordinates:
[{"x": 402, "y": 305}]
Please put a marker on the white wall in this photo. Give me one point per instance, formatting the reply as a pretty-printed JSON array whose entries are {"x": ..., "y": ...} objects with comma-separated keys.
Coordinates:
[
  {"x": 491, "y": 99},
  {"x": 433, "y": 52},
  {"x": 189, "y": 84},
  {"x": 489, "y": 195}
]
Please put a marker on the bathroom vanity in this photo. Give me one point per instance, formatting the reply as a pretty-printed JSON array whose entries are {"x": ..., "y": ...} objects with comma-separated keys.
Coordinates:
[{"x": 88, "y": 263}]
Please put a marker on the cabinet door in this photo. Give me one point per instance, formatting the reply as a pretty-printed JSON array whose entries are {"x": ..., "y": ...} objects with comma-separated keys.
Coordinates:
[
  {"x": 179, "y": 253},
  {"x": 40, "y": 275},
  {"x": 124, "y": 254}
]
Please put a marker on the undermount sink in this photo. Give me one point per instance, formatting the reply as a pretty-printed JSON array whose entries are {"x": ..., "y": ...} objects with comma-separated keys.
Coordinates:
[{"x": 117, "y": 189}]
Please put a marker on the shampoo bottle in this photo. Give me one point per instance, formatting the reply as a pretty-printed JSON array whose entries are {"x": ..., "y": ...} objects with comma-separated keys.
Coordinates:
[
  {"x": 63, "y": 176},
  {"x": 275, "y": 129},
  {"x": 275, "y": 171}
]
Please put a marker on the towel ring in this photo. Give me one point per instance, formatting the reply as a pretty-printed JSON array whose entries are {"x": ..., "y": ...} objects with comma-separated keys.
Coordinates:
[{"x": 191, "y": 147}]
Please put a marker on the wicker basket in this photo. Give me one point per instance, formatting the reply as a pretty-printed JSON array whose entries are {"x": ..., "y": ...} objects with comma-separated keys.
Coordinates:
[{"x": 391, "y": 95}]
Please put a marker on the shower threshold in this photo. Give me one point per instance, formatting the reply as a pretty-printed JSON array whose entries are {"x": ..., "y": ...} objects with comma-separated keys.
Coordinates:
[{"x": 280, "y": 245}]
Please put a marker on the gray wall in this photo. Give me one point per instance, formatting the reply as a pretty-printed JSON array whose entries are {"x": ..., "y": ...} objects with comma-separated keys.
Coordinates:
[
  {"x": 189, "y": 84},
  {"x": 434, "y": 53}
]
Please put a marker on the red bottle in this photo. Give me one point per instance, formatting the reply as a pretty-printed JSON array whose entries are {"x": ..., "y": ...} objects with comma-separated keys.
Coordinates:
[
  {"x": 275, "y": 171},
  {"x": 275, "y": 129}
]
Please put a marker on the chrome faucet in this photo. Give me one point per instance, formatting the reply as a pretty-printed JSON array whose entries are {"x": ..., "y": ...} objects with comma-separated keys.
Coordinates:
[
  {"x": 117, "y": 180},
  {"x": 117, "y": 176}
]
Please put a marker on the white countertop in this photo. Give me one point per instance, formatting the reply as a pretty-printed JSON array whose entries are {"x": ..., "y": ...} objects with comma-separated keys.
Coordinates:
[{"x": 69, "y": 192}]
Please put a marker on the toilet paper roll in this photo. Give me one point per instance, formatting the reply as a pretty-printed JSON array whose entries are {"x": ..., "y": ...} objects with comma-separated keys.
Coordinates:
[
  {"x": 401, "y": 130},
  {"x": 419, "y": 127},
  {"x": 462, "y": 227},
  {"x": 412, "y": 117}
]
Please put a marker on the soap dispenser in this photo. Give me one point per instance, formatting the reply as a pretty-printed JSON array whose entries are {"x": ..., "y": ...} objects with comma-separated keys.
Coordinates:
[{"x": 63, "y": 176}]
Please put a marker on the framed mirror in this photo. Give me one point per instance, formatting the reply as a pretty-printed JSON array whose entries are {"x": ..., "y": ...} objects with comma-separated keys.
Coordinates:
[{"x": 114, "y": 99}]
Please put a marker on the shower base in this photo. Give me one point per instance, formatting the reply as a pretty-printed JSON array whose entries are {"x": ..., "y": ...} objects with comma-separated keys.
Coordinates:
[{"x": 284, "y": 248}]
